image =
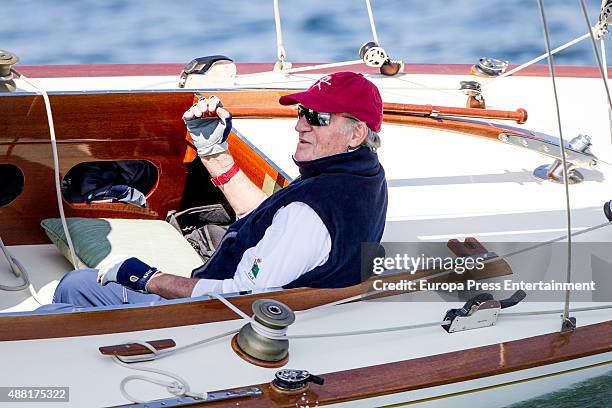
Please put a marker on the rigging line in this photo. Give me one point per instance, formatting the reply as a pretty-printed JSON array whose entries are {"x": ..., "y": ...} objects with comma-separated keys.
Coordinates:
[
  {"x": 537, "y": 59},
  {"x": 18, "y": 269},
  {"x": 11, "y": 263},
  {"x": 366, "y": 295},
  {"x": 312, "y": 77},
  {"x": 551, "y": 67},
  {"x": 368, "y": 331},
  {"x": 446, "y": 91},
  {"x": 157, "y": 354},
  {"x": 598, "y": 59},
  {"x": 280, "y": 49},
  {"x": 541, "y": 244},
  {"x": 372, "y": 25},
  {"x": 430, "y": 324},
  {"x": 303, "y": 69},
  {"x": 293, "y": 78},
  {"x": 602, "y": 45},
  {"x": 545, "y": 312},
  {"x": 58, "y": 191},
  {"x": 605, "y": 66}
]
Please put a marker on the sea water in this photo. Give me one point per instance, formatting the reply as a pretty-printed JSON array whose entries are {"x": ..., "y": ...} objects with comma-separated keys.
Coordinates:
[{"x": 417, "y": 31}]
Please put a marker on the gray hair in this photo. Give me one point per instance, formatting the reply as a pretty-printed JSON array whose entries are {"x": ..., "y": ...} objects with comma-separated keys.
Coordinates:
[{"x": 372, "y": 140}]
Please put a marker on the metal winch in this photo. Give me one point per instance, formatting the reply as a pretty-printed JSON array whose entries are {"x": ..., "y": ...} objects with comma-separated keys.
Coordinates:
[
  {"x": 374, "y": 55},
  {"x": 489, "y": 67},
  {"x": 7, "y": 60},
  {"x": 480, "y": 311},
  {"x": 473, "y": 90},
  {"x": 554, "y": 171},
  {"x": 294, "y": 381},
  {"x": 259, "y": 345}
]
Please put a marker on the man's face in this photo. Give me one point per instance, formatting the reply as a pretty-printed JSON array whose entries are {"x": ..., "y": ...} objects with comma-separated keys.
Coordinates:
[{"x": 320, "y": 141}]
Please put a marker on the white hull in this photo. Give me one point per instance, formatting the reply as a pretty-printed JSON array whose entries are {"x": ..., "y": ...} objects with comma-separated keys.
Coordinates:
[{"x": 441, "y": 186}]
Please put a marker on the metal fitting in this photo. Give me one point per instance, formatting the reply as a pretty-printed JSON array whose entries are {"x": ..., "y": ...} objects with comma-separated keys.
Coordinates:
[
  {"x": 273, "y": 315},
  {"x": 491, "y": 67}
]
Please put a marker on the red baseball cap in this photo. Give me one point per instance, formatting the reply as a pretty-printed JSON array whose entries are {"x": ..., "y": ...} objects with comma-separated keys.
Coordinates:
[{"x": 342, "y": 92}]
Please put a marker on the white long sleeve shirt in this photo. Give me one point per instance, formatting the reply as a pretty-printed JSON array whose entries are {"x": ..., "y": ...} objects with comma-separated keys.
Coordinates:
[{"x": 296, "y": 242}]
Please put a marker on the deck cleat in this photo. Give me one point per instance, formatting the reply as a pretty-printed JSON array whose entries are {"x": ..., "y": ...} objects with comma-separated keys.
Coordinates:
[
  {"x": 489, "y": 67},
  {"x": 478, "y": 312},
  {"x": 294, "y": 381},
  {"x": 259, "y": 345},
  {"x": 7, "y": 60}
]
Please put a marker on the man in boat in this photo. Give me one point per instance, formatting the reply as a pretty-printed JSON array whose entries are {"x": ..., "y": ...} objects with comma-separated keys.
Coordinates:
[{"x": 308, "y": 234}]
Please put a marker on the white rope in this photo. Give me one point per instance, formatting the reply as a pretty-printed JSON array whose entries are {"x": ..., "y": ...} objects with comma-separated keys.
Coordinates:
[
  {"x": 18, "y": 270},
  {"x": 372, "y": 25},
  {"x": 537, "y": 59},
  {"x": 181, "y": 387},
  {"x": 178, "y": 387},
  {"x": 369, "y": 331},
  {"x": 280, "y": 49},
  {"x": 58, "y": 190},
  {"x": 257, "y": 327},
  {"x": 304, "y": 69}
]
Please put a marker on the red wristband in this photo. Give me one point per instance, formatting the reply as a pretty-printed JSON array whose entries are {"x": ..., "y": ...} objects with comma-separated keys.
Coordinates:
[{"x": 225, "y": 177}]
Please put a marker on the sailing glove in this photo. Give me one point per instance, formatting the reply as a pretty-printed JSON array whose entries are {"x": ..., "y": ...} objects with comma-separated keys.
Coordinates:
[
  {"x": 209, "y": 125},
  {"x": 129, "y": 272}
]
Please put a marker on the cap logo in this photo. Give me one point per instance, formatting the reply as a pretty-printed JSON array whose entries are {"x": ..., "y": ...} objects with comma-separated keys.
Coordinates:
[{"x": 324, "y": 80}]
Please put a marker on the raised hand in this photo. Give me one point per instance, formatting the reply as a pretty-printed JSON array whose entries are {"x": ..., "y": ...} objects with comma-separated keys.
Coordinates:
[{"x": 209, "y": 125}]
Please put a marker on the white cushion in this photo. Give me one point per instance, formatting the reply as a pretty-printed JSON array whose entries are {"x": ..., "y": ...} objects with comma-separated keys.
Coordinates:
[{"x": 97, "y": 240}]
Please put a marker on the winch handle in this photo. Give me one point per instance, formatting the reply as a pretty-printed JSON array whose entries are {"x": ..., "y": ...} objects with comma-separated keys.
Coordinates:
[
  {"x": 315, "y": 379},
  {"x": 513, "y": 300}
]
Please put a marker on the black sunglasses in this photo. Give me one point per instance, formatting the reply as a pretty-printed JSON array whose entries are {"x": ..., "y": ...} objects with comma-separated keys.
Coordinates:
[{"x": 313, "y": 117}]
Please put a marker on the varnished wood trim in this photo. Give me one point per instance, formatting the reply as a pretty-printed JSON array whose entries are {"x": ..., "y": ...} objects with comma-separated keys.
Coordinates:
[
  {"x": 468, "y": 127},
  {"x": 253, "y": 360},
  {"x": 135, "y": 349},
  {"x": 519, "y": 116},
  {"x": 442, "y": 369},
  {"x": 43, "y": 326},
  {"x": 154, "y": 317}
]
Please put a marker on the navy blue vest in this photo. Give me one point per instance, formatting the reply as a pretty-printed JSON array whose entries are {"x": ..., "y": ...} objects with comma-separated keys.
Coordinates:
[{"x": 348, "y": 192}]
